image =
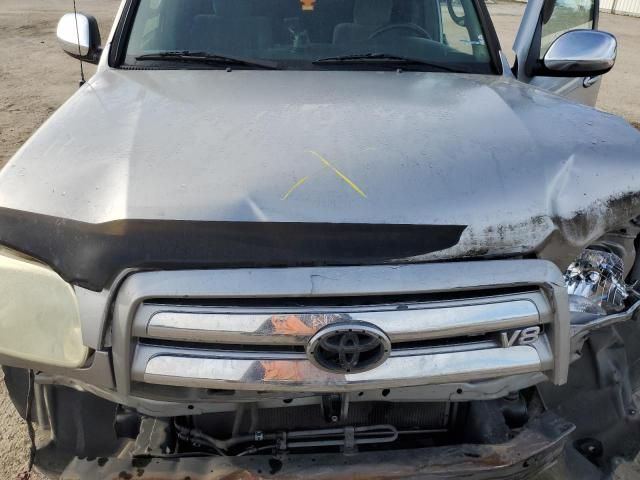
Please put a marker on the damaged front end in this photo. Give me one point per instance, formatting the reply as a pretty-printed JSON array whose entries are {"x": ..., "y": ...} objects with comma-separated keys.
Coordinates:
[
  {"x": 389, "y": 371},
  {"x": 531, "y": 451},
  {"x": 452, "y": 292}
]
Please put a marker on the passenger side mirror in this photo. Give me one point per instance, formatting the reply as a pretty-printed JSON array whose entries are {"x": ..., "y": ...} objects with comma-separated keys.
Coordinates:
[
  {"x": 79, "y": 37},
  {"x": 579, "y": 53}
]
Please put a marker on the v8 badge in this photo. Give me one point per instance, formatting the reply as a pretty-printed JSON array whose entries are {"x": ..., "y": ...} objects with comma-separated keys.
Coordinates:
[{"x": 524, "y": 336}]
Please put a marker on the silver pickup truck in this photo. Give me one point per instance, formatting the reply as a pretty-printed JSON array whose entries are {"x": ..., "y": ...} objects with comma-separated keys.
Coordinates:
[{"x": 326, "y": 239}]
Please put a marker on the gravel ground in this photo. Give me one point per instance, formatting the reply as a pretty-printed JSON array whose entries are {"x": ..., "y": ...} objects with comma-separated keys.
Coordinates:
[
  {"x": 36, "y": 77},
  {"x": 14, "y": 442}
]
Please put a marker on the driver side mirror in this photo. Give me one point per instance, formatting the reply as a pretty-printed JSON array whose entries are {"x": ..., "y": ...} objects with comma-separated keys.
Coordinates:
[
  {"x": 79, "y": 37},
  {"x": 580, "y": 53}
]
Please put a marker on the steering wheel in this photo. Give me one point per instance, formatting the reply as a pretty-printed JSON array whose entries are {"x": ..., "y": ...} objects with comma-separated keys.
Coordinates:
[
  {"x": 457, "y": 19},
  {"x": 401, "y": 26}
]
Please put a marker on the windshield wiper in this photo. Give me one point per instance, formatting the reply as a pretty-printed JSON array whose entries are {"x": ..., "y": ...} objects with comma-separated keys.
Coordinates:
[
  {"x": 207, "y": 59},
  {"x": 386, "y": 58}
]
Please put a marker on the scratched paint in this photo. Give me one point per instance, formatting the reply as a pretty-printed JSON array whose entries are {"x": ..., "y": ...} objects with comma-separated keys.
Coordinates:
[
  {"x": 330, "y": 166},
  {"x": 346, "y": 179},
  {"x": 294, "y": 187}
]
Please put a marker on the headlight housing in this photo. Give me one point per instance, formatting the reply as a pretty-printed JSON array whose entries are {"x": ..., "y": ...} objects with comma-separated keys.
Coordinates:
[
  {"x": 39, "y": 317},
  {"x": 595, "y": 283}
]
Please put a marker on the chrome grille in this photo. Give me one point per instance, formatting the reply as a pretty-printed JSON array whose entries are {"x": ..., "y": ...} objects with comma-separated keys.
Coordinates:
[
  {"x": 402, "y": 322},
  {"x": 181, "y": 328}
]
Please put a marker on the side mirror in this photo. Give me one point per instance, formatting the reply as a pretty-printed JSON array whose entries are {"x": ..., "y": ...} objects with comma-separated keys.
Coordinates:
[
  {"x": 580, "y": 53},
  {"x": 79, "y": 37}
]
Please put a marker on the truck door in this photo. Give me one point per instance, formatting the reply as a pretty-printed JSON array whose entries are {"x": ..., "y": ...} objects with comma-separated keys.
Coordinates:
[{"x": 543, "y": 22}]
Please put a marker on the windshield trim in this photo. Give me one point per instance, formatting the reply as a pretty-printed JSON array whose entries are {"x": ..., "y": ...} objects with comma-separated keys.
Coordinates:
[
  {"x": 118, "y": 47},
  {"x": 491, "y": 37}
]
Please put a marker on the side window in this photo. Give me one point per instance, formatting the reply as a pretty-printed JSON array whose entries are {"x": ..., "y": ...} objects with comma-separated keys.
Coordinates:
[{"x": 567, "y": 15}]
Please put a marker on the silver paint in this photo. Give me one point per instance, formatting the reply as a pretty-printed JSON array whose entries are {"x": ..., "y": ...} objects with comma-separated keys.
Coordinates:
[{"x": 518, "y": 165}]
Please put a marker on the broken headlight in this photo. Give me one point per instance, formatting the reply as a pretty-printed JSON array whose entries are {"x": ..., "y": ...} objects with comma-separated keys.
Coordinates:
[
  {"x": 595, "y": 283},
  {"x": 39, "y": 317}
]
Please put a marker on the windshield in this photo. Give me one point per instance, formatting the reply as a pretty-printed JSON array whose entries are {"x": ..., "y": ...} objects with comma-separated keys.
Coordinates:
[{"x": 432, "y": 35}]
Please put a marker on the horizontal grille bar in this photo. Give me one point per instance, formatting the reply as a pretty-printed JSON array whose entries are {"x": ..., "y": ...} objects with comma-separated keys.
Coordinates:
[
  {"x": 281, "y": 326},
  {"x": 296, "y": 374}
]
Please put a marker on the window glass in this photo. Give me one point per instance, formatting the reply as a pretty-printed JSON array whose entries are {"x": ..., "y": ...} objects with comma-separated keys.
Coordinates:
[
  {"x": 297, "y": 33},
  {"x": 567, "y": 15},
  {"x": 150, "y": 11},
  {"x": 456, "y": 31}
]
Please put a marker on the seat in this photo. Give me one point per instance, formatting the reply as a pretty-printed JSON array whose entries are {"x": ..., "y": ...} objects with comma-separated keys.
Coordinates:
[
  {"x": 368, "y": 16},
  {"x": 231, "y": 29},
  {"x": 184, "y": 19}
]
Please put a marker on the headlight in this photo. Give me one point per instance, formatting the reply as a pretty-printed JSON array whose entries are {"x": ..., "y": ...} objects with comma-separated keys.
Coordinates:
[
  {"x": 595, "y": 283},
  {"x": 39, "y": 318}
]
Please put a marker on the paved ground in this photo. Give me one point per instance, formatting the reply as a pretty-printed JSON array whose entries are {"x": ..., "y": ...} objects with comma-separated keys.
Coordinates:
[{"x": 35, "y": 78}]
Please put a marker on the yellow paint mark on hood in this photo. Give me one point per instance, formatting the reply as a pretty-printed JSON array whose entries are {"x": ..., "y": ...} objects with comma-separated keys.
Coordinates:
[
  {"x": 330, "y": 166},
  {"x": 348, "y": 181},
  {"x": 293, "y": 188}
]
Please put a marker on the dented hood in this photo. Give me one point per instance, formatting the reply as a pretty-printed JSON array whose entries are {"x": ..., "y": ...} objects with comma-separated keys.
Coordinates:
[{"x": 514, "y": 166}]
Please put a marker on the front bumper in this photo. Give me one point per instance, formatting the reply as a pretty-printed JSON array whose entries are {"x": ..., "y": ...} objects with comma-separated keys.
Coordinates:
[
  {"x": 155, "y": 360},
  {"x": 535, "y": 448}
]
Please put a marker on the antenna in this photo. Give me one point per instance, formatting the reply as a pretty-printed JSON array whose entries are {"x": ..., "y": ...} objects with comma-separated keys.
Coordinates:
[{"x": 75, "y": 16}]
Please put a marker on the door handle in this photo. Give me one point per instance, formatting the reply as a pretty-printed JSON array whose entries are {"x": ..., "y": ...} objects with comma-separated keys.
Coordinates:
[{"x": 589, "y": 81}]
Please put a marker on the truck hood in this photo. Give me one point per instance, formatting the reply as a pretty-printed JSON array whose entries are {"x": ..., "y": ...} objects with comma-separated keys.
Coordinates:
[{"x": 514, "y": 166}]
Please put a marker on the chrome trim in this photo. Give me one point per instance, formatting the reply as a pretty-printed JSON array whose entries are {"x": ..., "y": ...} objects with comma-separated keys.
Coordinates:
[
  {"x": 181, "y": 350},
  {"x": 288, "y": 326},
  {"x": 542, "y": 280},
  {"x": 448, "y": 348},
  {"x": 580, "y": 332},
  {"x": 582, "y": 51},
  {"x": 300, "y": 375},
  {"x": 349, "y": 351}
]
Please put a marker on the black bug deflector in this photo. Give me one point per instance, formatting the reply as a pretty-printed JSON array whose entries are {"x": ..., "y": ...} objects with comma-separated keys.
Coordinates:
[
  {"x": 535, "y": 448},
  {"x": 91, "y": 255}
]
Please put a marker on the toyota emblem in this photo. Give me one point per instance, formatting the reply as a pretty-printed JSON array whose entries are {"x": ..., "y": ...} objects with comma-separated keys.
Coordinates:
[{"x": 349, "y": 347}]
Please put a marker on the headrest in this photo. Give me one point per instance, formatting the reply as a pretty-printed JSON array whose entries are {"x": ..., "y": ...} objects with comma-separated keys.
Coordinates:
[
  {"x": 232, "y": 8},
  {"x": 372, "y": 12}
]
